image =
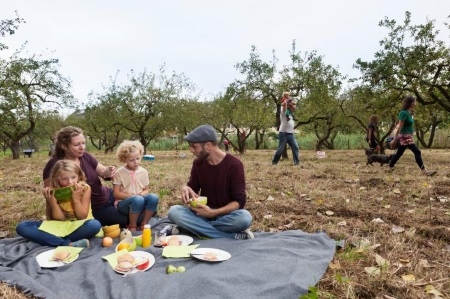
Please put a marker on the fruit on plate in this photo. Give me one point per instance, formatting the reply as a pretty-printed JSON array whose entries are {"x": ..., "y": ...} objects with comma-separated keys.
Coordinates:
[
  {"x": 107, "y": 241},
  {"x": 171, "y": 269},
  {"x": 142, "y": 263}
]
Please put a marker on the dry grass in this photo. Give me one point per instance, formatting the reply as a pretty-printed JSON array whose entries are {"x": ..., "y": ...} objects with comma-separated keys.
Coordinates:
[{"x": 285, "y": 197}]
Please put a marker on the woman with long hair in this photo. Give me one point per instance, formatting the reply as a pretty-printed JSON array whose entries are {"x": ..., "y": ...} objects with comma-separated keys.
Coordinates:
[{"x": 405, "y": 136}]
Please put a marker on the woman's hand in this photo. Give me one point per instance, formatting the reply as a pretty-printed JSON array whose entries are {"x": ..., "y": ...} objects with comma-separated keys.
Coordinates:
[{"x": 109, "y": 171}]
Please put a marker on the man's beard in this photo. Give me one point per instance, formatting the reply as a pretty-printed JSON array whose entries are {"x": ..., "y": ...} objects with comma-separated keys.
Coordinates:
[{"x": 203, "y": 155}]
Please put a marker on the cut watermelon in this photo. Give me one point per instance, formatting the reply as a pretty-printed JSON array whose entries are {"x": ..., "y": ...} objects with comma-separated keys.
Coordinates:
[{"x": 63, "y": 194}]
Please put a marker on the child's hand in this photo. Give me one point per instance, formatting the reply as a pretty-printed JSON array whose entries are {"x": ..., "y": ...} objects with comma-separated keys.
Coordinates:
[
  {"x": 49, "y": 194},
  {"x": 77, "y": 191}
]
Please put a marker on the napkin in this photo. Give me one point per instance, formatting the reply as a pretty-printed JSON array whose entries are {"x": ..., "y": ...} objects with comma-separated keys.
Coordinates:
[
  {"x": 63, "y": 228},
  {"x": 178, "y": 251},
  {"x": 112, "y": 258},
  {"x": 60, "y": 228},
  {"x": 74, "y": 251}
]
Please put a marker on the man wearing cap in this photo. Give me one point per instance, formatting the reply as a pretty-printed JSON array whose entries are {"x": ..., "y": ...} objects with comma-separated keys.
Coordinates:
[
  {"x": 286, "y": 131},
  {"x": 220, "y": 177}
]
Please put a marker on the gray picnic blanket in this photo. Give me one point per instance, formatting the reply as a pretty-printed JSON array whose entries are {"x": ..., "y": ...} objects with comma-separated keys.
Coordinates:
[{"x": 272, "y": 265}]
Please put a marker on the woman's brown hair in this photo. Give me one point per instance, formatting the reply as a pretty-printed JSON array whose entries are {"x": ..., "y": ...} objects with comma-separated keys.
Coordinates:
[
  {"x": 64, "y": 137},
  {"x": 407, "y": 102}
]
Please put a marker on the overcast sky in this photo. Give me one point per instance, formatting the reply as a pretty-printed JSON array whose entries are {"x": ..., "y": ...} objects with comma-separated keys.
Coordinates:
[{"x": 203, "y": 39}]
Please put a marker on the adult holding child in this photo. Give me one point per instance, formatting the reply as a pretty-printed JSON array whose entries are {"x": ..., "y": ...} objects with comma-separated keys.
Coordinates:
[
  {"x": 220, "y": 177},
  {"x": 131, "y": 185},
  {"x": 404, "y": 134},
  {"x": 70, "y": 144},
  {"x": 76, "y": 211},
  {"x": 286, "y": 130}
]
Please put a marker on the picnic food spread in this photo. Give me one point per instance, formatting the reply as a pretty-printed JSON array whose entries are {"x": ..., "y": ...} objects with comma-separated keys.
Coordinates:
[{"x": 126, "y": 260}]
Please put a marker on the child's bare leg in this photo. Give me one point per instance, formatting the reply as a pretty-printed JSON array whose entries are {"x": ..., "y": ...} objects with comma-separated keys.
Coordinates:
[
  {"x": 147, "y": 215},
  {"x": 133, "y": 217}
]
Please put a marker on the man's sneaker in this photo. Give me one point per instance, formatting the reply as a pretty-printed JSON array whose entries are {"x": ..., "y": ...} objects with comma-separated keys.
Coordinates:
[
  {"x": 170, "y": 230},
  {"x": 246, "y": 234},
  {"x": 175, "y": 230},
  {"x": 84, "y": 243}
]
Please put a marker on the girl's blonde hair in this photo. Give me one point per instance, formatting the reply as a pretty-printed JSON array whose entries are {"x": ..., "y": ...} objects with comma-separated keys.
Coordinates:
[
  {"x": 286, "y": 93},
  {"x": 65, "y": 165},
  {"x": 127, "y": 147}
]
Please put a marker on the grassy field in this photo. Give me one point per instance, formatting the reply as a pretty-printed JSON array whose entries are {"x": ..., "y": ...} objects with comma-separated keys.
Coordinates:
[{"x": 396, "y": 226}]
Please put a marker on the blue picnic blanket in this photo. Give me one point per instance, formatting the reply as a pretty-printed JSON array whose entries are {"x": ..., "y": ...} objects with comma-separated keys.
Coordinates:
[{"x": 272, "y": 265}]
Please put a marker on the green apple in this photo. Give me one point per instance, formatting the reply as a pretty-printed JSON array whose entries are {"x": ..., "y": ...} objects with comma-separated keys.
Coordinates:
[
  {"x": 171, "y": 269},
  {"x": 138, "y": 240}
]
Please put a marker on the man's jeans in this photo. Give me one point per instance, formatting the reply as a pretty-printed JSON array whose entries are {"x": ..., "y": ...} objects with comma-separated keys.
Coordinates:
[
  {"x": 288, "y": 138},
  {"x": 225, "y": 226}
]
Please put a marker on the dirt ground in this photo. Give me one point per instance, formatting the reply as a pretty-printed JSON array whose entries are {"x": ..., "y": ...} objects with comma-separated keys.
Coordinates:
[{"x": 393, "y": 227}]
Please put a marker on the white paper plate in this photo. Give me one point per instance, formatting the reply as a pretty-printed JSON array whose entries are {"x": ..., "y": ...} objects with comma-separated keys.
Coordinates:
[
  {"x": 222, "y": 255},
  {"x": 44, "y": 259},
  {"x": 185, "y": 240},
  {"x": 140, "y": 254}
]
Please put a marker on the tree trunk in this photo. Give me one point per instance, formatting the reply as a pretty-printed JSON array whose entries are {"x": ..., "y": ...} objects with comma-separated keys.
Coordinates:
[
  {"x": 241, "y": 141},
  {"x": 259, "y": 138},
  {"x": 15, "y": 149},
  {"x": 421, "y": 133}
]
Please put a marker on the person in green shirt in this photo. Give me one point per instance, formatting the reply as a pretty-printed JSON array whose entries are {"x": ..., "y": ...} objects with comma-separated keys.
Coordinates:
[{"x": 405, "y": 137}]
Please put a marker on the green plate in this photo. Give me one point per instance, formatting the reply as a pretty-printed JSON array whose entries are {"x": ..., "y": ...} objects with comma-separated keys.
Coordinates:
[{"x": 63, "y": 194}]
